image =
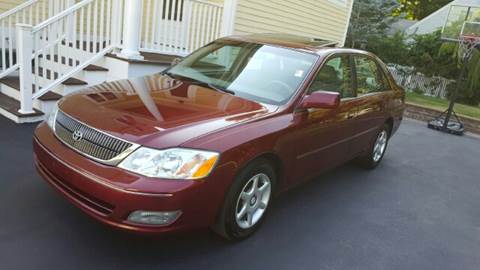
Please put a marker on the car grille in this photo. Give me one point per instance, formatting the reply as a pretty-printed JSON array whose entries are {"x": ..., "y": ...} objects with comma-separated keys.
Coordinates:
[{"x": 87, "y": 140}]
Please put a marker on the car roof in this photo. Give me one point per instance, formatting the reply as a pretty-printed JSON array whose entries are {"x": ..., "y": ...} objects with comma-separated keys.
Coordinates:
[{"x": 296, "y": 42}]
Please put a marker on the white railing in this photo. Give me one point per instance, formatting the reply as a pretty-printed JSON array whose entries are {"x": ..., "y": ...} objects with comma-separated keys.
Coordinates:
[
  {"x": 179, "y": 26},
  {"x": 32, "y": 12},
  {"x": 53, "y": 48},
  {"x": 65, "y": 44}
]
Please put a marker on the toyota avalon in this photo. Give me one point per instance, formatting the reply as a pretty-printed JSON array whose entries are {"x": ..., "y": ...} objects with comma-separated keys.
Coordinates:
[{"x": 212, "y": 140}]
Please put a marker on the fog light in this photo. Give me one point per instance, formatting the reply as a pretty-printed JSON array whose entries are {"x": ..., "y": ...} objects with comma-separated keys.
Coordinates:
[{"x": 153, "y": 218}]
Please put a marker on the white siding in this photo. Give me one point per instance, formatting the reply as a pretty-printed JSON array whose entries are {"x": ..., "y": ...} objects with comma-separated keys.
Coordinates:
[
  {"x": 6, "y": 5},
  {"x": 325, "y": 19}
]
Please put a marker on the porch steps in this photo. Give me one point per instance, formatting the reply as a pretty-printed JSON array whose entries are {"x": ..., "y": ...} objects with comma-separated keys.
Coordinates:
[
  {"x": 9, "y": 108},
  {"x": 10, "y": 87},
  {"x": 109, "y": 68},
  {"x": 13, "y": 82},
  {"x": 149, "y": 58},
  {"x": 121, "y": 68},
  {"x": 74, "y": 81},
  {"x": 95, "y": 68}
]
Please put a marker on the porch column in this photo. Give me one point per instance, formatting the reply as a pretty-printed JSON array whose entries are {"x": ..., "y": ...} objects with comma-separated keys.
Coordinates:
[
  {"x": 132, "y": 26},
  {"x": 228, "y": 20},
  {"x": 24, "y": 60}
]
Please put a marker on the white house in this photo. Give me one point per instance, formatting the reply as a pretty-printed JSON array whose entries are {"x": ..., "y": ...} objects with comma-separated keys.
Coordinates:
[{"x": 49, "y": 48}]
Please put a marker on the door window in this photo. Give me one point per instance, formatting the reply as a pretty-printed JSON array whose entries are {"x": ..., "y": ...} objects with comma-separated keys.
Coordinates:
[
  {"x": 335, "y": 76},
  {"x": 370, "y": 78}
]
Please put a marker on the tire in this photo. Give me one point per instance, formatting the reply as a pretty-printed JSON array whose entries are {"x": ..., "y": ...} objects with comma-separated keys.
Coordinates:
[
  {"x": 242, "y": 196},
  {"x": 376, "y": 151}
]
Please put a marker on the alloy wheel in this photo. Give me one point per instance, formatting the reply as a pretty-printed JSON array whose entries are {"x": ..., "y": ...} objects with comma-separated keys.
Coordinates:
[
  {"x": 380, "y": 146},
  {"x": 253, "y": 201}
]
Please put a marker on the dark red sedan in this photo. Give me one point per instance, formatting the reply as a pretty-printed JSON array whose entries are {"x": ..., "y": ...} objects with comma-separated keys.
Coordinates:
[{"x": 211, "y": 140}]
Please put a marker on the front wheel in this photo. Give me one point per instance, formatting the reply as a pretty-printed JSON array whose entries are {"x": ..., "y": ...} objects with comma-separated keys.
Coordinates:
[
  {"x": 247, "y": 201},
  {"x": 376, "y": 151}
]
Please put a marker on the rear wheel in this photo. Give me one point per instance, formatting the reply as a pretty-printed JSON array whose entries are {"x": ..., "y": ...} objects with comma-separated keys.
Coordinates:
[
  {"x": 247, "y": 201},
  {"x": 377, "y": 150}
]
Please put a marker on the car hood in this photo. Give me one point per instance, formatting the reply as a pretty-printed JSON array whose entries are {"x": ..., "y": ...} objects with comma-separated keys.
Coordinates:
[{"x": 159, "y": 111}]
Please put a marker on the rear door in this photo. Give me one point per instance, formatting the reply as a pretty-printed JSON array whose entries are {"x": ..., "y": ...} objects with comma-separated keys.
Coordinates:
[{"x": 373, "y": 93}]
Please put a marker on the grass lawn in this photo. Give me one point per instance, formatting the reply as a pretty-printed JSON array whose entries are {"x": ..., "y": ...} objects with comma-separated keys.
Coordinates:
[{"x": 442, "y": 104}]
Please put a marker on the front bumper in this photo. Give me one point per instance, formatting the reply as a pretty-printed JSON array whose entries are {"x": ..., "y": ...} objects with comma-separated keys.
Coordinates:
[{"x": 110, "y": 194}]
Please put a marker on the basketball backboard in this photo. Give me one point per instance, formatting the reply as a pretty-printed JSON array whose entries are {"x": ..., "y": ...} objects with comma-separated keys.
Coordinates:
[{"x": 462, "y": 20}]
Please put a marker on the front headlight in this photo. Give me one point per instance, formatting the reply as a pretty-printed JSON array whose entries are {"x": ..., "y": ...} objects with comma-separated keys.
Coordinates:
[
  {"x": 175, "y": 163},
  {"x": 52, "y": 117}
]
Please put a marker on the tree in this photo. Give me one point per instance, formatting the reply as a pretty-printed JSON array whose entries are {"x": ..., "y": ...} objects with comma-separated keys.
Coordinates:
[
  {"x": 426, "y": 54},
  {"x": 419, "y": 9},
  {"x": 432, "y": 57},
  {"x": 470, "y": 85},
  {"x": 471, "y": 94},
  {"x": 370, "y": 19},
  {"x": 391, "y": 49}
]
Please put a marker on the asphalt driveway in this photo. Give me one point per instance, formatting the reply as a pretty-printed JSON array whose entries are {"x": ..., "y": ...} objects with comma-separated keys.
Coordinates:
[{"x": 419, "y": 210}]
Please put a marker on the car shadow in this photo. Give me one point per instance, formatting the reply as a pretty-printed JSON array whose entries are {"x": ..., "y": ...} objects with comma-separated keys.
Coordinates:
[{"x": 316, "y": 195}]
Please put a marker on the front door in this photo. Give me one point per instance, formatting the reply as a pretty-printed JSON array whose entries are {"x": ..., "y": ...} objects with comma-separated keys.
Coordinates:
[{"x": 323, "y": 135}]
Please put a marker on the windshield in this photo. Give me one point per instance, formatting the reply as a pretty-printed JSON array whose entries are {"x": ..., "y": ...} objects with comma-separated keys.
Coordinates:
[{"x": 257, "y": 72}]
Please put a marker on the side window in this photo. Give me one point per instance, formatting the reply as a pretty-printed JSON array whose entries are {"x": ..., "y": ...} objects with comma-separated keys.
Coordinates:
[
  {"x": 370, "y": 78},
  {"x": 335, "y": 76}
]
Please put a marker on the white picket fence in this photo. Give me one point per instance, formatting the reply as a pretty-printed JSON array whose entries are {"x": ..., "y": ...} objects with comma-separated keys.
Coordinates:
[{"x": 429, "y": 86}]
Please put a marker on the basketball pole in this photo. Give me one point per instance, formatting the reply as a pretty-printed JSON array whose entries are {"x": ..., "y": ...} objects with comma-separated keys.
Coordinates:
[
  {"x": 468, "y": 39},
  {"x": 454, "y": 96}
]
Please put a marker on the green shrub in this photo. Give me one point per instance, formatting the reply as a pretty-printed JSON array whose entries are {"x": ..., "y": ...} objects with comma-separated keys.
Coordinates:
[
  {"x": 418, "y": 91},
  {"x": 465, "y": 95}
]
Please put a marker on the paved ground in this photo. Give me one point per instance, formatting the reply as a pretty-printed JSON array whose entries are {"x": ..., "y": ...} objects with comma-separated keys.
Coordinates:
[{"x": 418, "y": 210}]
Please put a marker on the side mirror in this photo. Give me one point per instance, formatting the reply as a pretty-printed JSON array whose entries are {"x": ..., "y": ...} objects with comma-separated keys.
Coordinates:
[
  {"x": 176, "y": 61},
  {"x": 321, "y": 100}
]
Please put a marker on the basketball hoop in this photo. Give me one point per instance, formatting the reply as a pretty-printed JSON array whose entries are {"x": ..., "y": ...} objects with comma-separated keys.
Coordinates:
[
  {"x": 469, "y": 38},
  {"x": 463, "y": 27}
]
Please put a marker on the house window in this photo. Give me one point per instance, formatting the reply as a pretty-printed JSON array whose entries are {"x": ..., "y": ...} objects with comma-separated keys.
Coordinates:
[{"x": 174, "y": 11}]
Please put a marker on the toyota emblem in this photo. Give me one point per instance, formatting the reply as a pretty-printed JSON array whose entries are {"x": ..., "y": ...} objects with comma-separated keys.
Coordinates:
[{"x": 77, "y": 135}]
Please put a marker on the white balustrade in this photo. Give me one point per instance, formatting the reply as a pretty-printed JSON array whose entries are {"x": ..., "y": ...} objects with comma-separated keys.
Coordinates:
[
  {"x": 30, "y": 12},
  {"x": 179, "y": 26},
  {"x": 64, "y": 45},
  {"x": 59, "y": 38}
]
